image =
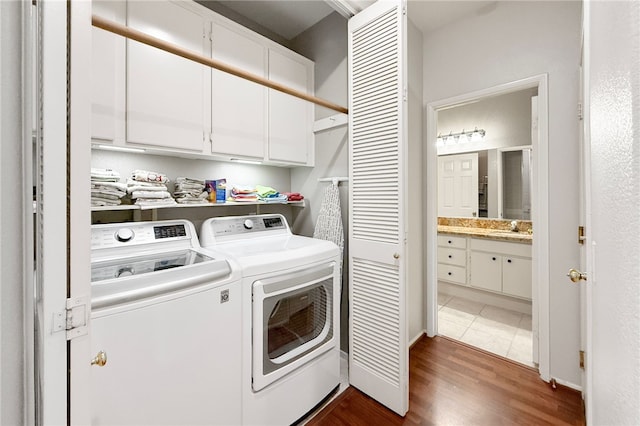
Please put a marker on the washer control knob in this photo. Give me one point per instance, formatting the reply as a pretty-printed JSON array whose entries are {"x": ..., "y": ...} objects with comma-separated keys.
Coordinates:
[
  {"x": 124, "y": 234},
  {"x": 248, "y": 224}
]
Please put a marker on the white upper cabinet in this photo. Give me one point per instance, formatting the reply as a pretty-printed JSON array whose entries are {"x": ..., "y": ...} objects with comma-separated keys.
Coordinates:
[
  {"x": 147, "y": 98},
  {"x": 238, "y": 106},
  {"x": 290, "y": 118},
  {"x": 107, "y": 61},
  {"x": 167, "y": 96}
]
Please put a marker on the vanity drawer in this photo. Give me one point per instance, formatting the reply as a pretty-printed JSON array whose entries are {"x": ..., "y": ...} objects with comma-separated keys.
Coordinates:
[
  {"x": 452, "y": 256},
  {"x": 456, "y": 274},
  {"x": 451, "y": 241}
]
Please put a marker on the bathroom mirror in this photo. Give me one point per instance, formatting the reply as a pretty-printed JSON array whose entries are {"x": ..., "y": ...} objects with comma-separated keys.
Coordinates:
[{"x": 487, "y": 177}]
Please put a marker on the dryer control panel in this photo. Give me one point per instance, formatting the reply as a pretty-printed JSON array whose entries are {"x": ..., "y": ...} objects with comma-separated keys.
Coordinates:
[{"x": 238, "y": 227}]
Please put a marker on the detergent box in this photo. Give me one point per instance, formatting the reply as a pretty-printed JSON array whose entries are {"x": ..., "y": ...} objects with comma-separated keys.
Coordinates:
[{"x": 217, "y": 190}]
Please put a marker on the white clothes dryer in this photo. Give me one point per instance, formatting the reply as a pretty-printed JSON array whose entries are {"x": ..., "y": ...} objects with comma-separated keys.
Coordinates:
[
  {"x": 290, "y": 315},
  {"x": 168, "y": 317}
]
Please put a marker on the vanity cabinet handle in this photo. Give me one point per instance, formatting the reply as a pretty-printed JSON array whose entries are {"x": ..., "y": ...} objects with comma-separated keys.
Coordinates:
[
  {"x": 493, "y": 258},
  {"x": 450, "y": 273},
  {"x": 450, "y": 257},
  {"x": 508, "y": 260}
]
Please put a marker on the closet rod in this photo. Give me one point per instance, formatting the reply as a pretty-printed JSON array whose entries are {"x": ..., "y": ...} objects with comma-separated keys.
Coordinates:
[{"x": 141, "y": 37}]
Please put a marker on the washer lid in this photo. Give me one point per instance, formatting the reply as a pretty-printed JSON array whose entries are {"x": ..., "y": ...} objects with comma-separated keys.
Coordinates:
[{"x": 137, "y": 265}]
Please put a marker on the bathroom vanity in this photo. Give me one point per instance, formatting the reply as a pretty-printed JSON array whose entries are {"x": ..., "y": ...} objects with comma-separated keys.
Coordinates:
[{"x": 486, "y": 255}]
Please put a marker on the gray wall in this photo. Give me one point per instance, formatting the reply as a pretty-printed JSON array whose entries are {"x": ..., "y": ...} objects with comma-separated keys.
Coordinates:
[
  {"x": 512, "y": 41},
  {"x": 326, "y": 44}
]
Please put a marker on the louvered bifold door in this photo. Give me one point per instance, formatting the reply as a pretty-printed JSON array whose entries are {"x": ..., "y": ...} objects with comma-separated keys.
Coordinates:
[{"x": 378, "y": 354}]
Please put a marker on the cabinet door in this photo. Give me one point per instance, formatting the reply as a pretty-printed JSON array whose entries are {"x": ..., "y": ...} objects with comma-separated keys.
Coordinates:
[
  {"x": 290, "y": 127},
  {"x": 486, "y": 270},
  {"x": 107, "y": 63},
  {"x": 166, "y": 94},
  {"x": 516, "y": 276},
  {"x": 238, "y": 106}
]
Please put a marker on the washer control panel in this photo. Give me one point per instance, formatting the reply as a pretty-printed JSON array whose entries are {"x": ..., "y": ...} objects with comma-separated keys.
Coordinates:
[{"x": 138, "y": 233}]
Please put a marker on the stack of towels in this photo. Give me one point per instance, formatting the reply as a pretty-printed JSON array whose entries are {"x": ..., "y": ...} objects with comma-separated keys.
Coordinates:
[
  {"x": 149, "y": 189},
  {"x": 294, "y": 196},
  {"x": 190, "y": 191},
  {"x": 243, "y": 193},
  {"x": 106, "y": 189},
  {"x": 269, "y": 195}
]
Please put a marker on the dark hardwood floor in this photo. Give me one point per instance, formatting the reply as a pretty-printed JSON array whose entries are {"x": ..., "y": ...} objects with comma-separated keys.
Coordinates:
[{"x": 451, "y": 383}]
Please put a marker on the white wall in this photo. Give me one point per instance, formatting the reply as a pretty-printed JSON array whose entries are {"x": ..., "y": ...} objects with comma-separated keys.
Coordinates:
[
  {"x": 326, "y": 44},
  {"x": 505, "y": 118},
  {"x": 414, "y": 247},
  {"x": 512, "y": 41},
  {"x": 12, "y": 280},
  {"x": 615, "y": 222}
]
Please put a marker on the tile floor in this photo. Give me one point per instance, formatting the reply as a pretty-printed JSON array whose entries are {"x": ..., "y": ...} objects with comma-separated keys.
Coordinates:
[{"x": 500, "y": 331}]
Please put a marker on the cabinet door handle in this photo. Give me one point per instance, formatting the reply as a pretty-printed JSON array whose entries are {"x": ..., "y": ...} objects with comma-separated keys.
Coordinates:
[
  {"x": 449, "y": 273},
  {"x": 508, "y": 260},
  {"x": 493, "y": 258},
  {"x": 450, "y": 241},
  {"x": 450, "y": 257}
]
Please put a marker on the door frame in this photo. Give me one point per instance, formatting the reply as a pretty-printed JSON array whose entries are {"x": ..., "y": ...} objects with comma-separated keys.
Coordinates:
[{"x": 539, "y": 216}]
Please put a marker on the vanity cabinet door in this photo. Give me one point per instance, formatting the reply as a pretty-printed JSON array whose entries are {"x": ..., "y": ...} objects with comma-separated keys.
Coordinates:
[
  {"x": 516, "y": 276},
  {"x": 486, "y": 270},
  {"x": 168, "y": 97}
]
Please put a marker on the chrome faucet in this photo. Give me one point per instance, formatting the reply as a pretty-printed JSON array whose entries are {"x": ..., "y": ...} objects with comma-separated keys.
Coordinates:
[{"x": 514, "y": 226}]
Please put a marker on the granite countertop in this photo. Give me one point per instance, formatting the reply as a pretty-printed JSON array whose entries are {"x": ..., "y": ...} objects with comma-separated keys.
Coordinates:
[{"x": 487, "y": 233}]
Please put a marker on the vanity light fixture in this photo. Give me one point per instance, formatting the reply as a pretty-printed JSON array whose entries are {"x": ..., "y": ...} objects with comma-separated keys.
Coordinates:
[{"x": 476, "y": 135}]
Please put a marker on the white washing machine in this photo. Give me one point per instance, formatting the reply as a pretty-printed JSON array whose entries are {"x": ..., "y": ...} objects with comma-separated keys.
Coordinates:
[
  {"x": 290, "y": 315},
  {"x": 168, "y": 317}
]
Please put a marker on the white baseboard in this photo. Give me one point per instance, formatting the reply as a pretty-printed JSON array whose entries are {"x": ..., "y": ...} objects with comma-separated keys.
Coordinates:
[
  {"x": 415, "y": 339},
  {"x": 486, "y": 297}
]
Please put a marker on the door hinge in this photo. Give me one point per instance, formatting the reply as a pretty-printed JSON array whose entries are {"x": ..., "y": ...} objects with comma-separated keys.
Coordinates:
[
  {"x": 580, "y": 111},
  {"x": 74, "y": 320},
  {"x": 582, "y": 359},
  {"x": 581, "y": 237}
]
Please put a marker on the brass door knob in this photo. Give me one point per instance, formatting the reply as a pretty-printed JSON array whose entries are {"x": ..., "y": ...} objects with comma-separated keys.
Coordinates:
[
  {"x": 575, "y": 275},
  {"x": 100, "y": 359}
]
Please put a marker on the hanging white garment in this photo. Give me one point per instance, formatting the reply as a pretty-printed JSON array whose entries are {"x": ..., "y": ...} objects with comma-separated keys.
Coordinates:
[{"x": 329, "y": 224}]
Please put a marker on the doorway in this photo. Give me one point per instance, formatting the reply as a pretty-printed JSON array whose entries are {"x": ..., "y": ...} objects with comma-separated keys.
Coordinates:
[{"x": 539, "y": 308}]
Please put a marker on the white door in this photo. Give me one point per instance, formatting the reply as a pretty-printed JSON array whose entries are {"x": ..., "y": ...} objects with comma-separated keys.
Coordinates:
[
  {"x": 612, "y": 166},
  {"x": 378, "y": 355},
  {"x": 458, "y": 185}
]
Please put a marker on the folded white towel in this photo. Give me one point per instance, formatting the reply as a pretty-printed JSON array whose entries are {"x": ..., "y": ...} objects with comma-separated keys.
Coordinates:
[
  {"x": 148, "y": 176},
  {"x": 104, "y": 173},
  {"x": 118, "y": 186},
  {"x": 150, "y": 194}
]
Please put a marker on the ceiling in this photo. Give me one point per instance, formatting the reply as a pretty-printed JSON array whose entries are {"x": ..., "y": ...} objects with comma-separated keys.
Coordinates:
[{"x": 289, "y": 18}]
